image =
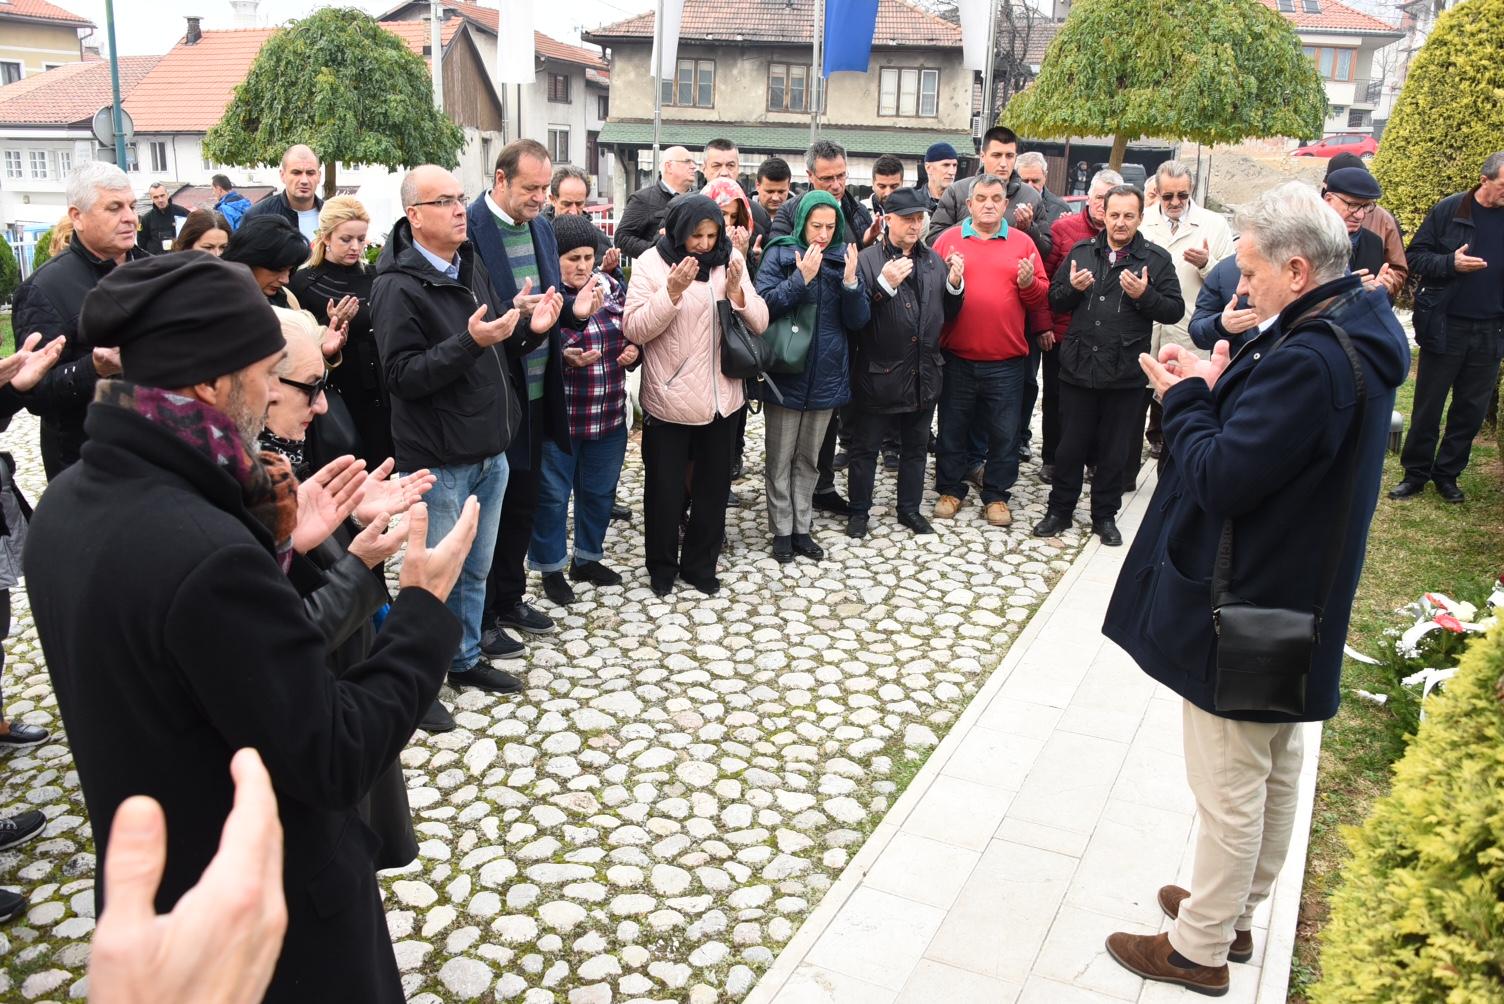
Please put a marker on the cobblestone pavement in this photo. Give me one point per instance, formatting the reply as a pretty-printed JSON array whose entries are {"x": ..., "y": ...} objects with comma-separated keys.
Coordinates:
[{"x": 680, "y": 783}]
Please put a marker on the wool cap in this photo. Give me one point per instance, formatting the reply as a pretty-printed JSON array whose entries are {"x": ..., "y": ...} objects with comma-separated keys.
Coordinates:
[
  {"x": 939, "y": 151},
  {"x": 906, "y": 201},
  {"x": 180, "y": 319},
  {"x": 1353, "y": 181},
  {"x": 574, "y": 232}
]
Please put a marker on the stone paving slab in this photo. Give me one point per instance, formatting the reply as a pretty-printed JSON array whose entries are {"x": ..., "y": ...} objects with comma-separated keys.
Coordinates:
[{"x": 1046, "y": 819}]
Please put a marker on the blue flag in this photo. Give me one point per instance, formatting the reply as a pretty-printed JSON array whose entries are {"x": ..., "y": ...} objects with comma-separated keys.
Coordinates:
[{"x": 848, "y": 35}]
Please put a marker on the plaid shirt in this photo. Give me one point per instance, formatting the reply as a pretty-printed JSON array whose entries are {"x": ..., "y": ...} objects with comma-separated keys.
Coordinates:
[{"x": 595, "y": 396}]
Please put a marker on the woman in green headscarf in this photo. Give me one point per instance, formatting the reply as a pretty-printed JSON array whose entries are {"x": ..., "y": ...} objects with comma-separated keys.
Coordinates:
[{"x": 812, "y": 269}]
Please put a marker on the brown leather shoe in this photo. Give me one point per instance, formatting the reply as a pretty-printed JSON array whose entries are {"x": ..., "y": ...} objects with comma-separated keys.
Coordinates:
[
  {"x": 1148, "y": 955},
  {"x": 946, "y": 506},
  {"x": 1242, "y": 941},
  {"x": 998, "y": 514}
]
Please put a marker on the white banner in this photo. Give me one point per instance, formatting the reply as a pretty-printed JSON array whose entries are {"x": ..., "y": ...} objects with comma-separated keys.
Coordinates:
[
  {"x": 673, "y": 15},
  {"x": 515, "y": 53},
  {"x": 974, "y": 40}
]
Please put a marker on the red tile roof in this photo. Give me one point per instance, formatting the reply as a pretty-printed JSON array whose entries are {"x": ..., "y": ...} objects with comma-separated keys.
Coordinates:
[
  {"x": 1334, "y": 17},
  {"x": 490, "y": 19},
  {"x": 190, "y": 88},
  {"x": 899, "y": 23},
  {"x": 41, "y": 10},
  {"x": 69, "y": 93}
]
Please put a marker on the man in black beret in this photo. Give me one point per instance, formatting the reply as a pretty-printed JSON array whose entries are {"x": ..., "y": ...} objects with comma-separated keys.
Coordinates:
[
  {"x": 156, "y": 572},
  {"x": 1353, "y": 194}
]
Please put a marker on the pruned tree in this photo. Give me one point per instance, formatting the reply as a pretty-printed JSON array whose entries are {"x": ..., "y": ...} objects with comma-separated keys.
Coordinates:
[
  {"x": 1213, "y": 71},
  {"x": 1449, "y": 116},
  {"x": 339, "y": 82}
]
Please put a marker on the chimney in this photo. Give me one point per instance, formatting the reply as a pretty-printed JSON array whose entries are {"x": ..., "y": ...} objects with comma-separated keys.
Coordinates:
[
  {"x": 246, "y": 13},
  {"x": 194, "y": 31}
]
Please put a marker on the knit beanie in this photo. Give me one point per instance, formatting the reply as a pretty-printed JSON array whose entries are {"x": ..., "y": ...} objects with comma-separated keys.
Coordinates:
[{"x": 574, "y": 232}]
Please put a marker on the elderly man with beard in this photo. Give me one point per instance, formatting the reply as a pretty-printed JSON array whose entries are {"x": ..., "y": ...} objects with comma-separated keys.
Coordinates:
[{"x": 209, "y": 649}]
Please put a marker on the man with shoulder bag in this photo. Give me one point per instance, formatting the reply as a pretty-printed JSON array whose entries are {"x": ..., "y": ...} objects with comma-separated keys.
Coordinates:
[{"x": 1237, "y": 590}]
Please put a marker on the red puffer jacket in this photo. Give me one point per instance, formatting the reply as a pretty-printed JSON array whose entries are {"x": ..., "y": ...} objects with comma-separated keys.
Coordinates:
[{"x": 1066, "y": 233}]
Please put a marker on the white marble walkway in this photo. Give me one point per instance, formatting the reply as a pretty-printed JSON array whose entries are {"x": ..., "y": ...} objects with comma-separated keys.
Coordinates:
[{"x": 1047, "y": 818}]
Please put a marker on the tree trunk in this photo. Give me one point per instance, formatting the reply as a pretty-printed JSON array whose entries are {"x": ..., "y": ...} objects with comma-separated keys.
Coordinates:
[
  {"x": 1119, "y": 149},
  {"x": 329, "y": 180}
]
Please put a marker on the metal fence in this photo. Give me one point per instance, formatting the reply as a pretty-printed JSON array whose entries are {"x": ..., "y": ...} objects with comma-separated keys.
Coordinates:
[{"x": 25, "y": 249}]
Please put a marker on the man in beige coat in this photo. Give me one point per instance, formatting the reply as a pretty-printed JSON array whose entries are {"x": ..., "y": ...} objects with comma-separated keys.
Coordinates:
[{"x": 1197, "y": 239}]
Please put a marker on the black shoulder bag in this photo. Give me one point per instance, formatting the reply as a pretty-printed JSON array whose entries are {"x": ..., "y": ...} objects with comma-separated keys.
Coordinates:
[
  {"x": 1264, "y": 653},
  {"x": 744, "y": 356}
]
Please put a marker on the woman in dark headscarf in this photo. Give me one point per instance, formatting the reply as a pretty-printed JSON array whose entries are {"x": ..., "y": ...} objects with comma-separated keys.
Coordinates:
[{"x": 670, "y": 312}]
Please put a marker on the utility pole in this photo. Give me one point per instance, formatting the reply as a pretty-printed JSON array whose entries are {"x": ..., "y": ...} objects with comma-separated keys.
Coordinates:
[
  {"x": 989, "y": 86},
  {"x": 657, "y": 83},
  {"x": 117, "y": 123},
  {"x": 436, "y": 52},
  {"x": 817, "y": 44}
]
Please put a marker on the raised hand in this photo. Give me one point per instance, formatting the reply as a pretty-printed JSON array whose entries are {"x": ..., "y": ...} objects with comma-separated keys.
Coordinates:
[
  {"x": 1235, "y": 321},
  {"x": 580, "y": 358},
  {"x": 343, "y": 310},
  {"x": 106, "y": 362},
  {"x": 1177, "y": 363},
  {"x": 1134, "y": 285},
  {"x": 957, "y": 268},
  {"x": 849, "y": 278},
  {"x": 1023, "y": 216},
  {"x": 740, "y": 239},
  {"x": 1198, "y": 256},
  {"x": 681, "y": 275},
  {"x": 735, "y": 269},
  {"x": 546, "y": 311},
  {"x": 385, "y": 494},
  {"x": 587, "y": 303},
  {"x": 808, "y": 263},
  {"x": 1025, "y": 273},
  {"x": 437, "y": 570},
  {"x": 325, "y": 499},
  {"x": 897, "y": 270},
  {"x": 335, "y": 333},
  {"x": 629, "y": 354},
  {"x": 1464, "y": 262},
  {"x": 1081, "y": 278},
  {"x": 526, "y": 300},
  {"x": 873, "y": 232},
  {"x": 382, "y": 538},
  {"x": 611, "y": 261},
  {"x": 487, "y": 333},
  {"x": 24, "y": 368}
]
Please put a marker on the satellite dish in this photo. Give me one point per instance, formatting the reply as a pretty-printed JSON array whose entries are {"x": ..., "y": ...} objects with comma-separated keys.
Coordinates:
[{"x": 104, "y": 128}]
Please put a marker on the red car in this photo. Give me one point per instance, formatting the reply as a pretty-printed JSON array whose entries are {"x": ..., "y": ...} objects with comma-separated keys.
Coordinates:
[{"x": 1330, "y": 146}]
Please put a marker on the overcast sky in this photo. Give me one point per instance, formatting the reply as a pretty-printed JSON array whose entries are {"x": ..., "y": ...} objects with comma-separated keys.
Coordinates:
[{"x": 144, "y": 29}]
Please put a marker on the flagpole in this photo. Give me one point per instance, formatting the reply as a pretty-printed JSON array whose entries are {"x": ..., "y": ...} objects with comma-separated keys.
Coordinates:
[
  {"x": 657, "y": 82},
  {"x": 816, "y": 41},
  {"x": 989, "y": 86}
]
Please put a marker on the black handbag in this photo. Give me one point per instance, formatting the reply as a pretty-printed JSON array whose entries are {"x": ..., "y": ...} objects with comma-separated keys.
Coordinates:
[
  {"x": 744, "y": 356},
  {"x": 1264, "y": 653}
]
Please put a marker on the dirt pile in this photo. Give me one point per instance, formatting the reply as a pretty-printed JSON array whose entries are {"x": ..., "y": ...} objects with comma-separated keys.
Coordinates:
[{"x": 1240, "y": 174}]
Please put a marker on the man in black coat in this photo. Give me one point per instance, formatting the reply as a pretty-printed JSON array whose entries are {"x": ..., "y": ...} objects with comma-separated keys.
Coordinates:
[
  {"x": 642, "y": 217},
  {"x": 1116, "y": 286},
  {"x": 103, "y": 210},
  {"x": 1458, "y": 255},
  {"x": 159, "y": 224},
  {"x": 298, "y": 203},
  {"x": 209, "y": 649},
  {"x": 896, "y": 362},
  {"x": 1353, "y": 193},
  {"x": 1262, "y": 439},
  {"x": 1222, "y": 313},
  {"x": 999, "y": 154}
]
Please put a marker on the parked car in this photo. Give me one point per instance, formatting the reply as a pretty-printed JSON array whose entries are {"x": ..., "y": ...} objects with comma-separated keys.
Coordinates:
[
  {"x": 1133, "y": 174},
  {"x": 1330, "y": 146}
]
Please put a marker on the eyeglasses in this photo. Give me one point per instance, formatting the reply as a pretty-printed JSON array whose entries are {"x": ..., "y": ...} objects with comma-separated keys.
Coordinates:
[
  {"x": 1174, "y": 196},
  {"x": 446, "y": 201},
  {"x": 314, "y": 390},
  {"x": 1357, "y": 209}
]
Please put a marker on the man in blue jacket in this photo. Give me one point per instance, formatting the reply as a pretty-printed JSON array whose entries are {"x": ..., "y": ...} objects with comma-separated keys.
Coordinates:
[
  {"x": 522, "y": 256},
  {"x": 1262, "y": 439},
  {"x": 1221, "y": 313}
]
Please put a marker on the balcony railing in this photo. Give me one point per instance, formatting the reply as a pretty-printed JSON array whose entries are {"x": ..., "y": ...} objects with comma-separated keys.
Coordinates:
[{"x": 1367, "y": 90}]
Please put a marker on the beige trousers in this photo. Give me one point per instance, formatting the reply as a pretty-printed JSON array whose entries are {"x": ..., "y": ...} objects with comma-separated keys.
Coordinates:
[{"x": 1244, "y": 776}]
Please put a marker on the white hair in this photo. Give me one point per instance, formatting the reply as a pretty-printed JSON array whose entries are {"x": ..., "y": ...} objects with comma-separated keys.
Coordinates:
[
  {"x": 1172, "y": 169},
  {"x": 298, "y": 326},
  {"x": 88, "y": 179},
  {"x": 1293, "y": 221},
  {"x": 1032, "y": 159},
  {"x": 1107, "y": 176}
]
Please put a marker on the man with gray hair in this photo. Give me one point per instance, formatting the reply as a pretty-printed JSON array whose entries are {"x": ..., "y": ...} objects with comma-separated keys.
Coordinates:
[
  {"x": 1273, "y": 461},
  {"x": 1196, "y": 239},
  {"x": 1033, "y": 170},
  {"x": 1458, "y": 254},
  {"x": 568, "y": 191},
  {"x": 642, "y": 217},
  {"x": 102, "y": 208}
]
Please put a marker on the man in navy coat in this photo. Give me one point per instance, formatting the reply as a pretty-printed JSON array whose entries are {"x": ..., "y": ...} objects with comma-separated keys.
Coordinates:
[
  {"x": 521, "y": 254},
  {"x": 1261, "y": 438}
]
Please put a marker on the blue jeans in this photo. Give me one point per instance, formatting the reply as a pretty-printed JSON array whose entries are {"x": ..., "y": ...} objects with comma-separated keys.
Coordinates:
[
  {"x": 487, "y": 481},
  {"x": 591, "y": 472},
  {"x": 983, "y": 395}
]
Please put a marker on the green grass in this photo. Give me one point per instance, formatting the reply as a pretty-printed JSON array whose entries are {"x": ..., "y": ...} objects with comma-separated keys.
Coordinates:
[
  {"x": 7, "y": 340},
  {"x": 1418, "y": 545}
]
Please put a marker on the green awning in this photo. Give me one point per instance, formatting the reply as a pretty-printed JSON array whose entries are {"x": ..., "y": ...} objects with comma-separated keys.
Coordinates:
[{"x": 783, "y": 138}]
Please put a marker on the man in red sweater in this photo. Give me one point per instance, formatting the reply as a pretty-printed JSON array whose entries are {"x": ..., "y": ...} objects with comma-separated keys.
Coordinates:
[{"x": 987, "y": 350}]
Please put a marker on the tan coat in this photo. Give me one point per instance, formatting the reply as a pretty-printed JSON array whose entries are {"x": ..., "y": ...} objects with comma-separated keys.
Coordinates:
[
  {"x": 1197, "y": 225},
  {"x": 1382, "y": 222},
  {"x": 681, "y": 351}
]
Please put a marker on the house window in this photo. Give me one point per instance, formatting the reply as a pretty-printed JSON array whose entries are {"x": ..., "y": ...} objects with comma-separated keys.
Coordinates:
[
  {"x": 1287, "y": 6},
  {"x": 558, "y": 145},
  {"x": 558, "y": 87},
  {"x": 64, "y": 163},
  {"x": 158, "y": 156},
  {"x": 1357, "y": 118},
  {"x": 693, "y": 85},
  {"x": 1331, "y": 64},
  {"x": 10, "y": 71},
  {"x": 602, "y": 106},
  {"x": 910, "y": 91},
  {"x": 13, "y": 164},
  {"x": 1311, "y": 6},
  {"x": 38, "y": 163},
  {"x": 788, "y": 88}
]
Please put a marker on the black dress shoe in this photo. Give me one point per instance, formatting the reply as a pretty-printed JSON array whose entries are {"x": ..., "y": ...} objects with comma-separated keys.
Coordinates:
[
  {"x": 737, "y": 470},
  {"x": 499, "y": 645},
  {"x": 1025, "y": 452},
  {"x": 594, "y": 573},
  {"x": 22, "y": 735},
  {"x": 916, "y": 522},
  {"x": 1156, "y": 450},
  {"x": 1053, "y": 525},
  {"x": 1448, "y": 490},
  {"x": 661, "y": 587},
  {"x": 856, "y": 525},
  {"x": 805, "y": 547},
  {"x": 1406, "y": 489},
  {"x": 832, "y": 502},
  {"x": 11, "y": 904},
  {"x": 783, "y": 550},
  {"x": 709, "y": 585},
  {"x": 23, "y": 826},
  {"x": 1108, "y": 531},
  {"x": 526, "y": 618},
  {"x": 1047, "y": 473},
  {"x": 621, "y": 514},
  {"x": 484, "y": 676},
  {"x": 437, "y": 719},
  {"x": 840, "y": 460},
  {"x": 557, "y": 589},
  {"x": 890, "y": 461}
]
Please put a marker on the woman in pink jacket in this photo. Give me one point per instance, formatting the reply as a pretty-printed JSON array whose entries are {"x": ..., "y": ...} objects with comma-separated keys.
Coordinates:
[{"x": 670, "y": 312}]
